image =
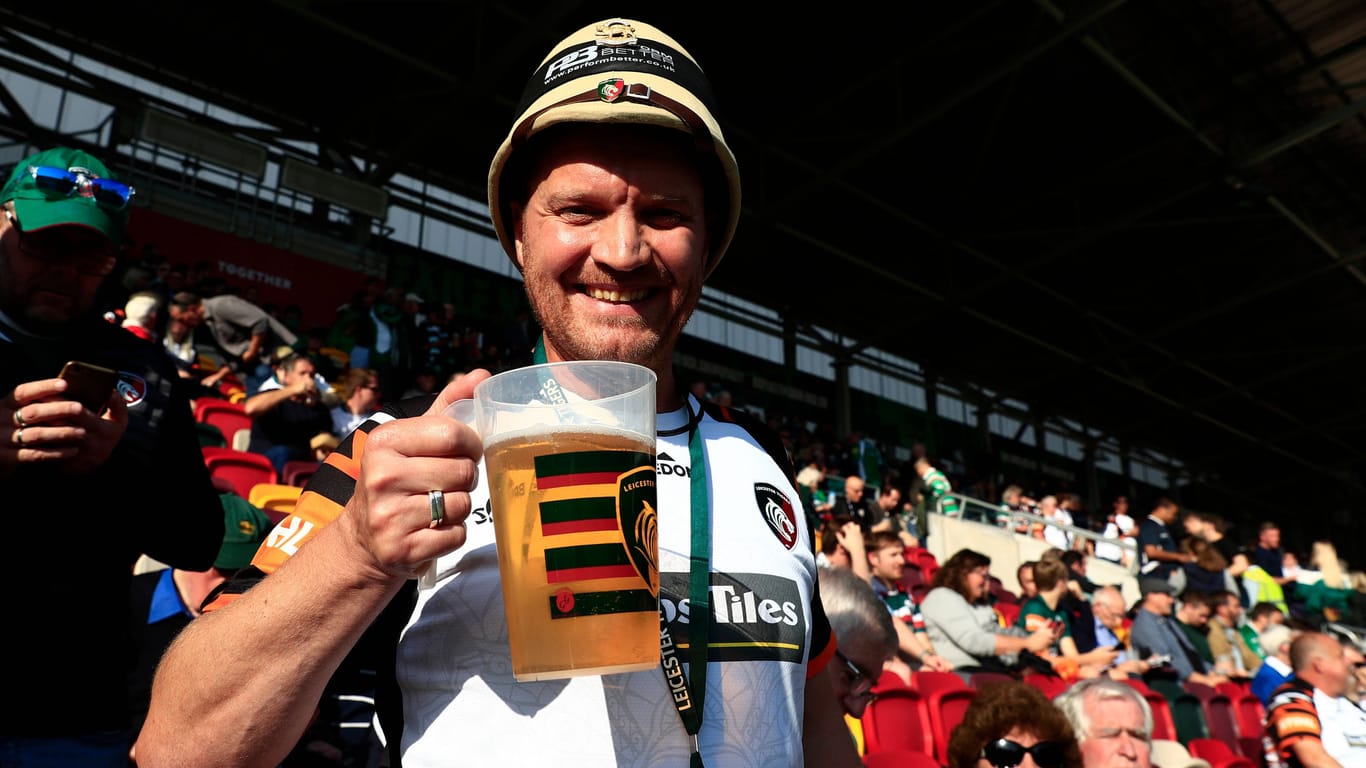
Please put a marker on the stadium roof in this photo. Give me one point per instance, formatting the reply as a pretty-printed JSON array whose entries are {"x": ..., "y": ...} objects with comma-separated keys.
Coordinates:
[{"x": 1147, "y": 217}]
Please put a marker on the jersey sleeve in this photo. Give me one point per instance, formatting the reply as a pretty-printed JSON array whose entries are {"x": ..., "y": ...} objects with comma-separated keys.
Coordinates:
[{"x": 1292, "y": 718}]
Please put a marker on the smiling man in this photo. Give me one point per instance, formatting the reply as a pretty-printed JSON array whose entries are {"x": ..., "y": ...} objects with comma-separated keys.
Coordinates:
[{"x": 615, "y": 195}]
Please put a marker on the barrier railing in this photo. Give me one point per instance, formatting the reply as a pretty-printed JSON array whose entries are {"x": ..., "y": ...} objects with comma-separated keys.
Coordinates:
[{"x": 972, "y": 509}]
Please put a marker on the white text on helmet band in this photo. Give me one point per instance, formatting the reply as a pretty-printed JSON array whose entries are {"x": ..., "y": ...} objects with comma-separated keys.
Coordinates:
[{"x": 591, "y": 54}]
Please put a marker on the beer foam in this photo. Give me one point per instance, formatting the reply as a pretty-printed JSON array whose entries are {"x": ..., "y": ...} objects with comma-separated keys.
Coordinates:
[{"x": 542, "y": 432}]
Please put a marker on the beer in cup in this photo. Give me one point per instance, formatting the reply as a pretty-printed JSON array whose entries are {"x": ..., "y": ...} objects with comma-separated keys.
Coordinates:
[{"x": 569, "y": 451}]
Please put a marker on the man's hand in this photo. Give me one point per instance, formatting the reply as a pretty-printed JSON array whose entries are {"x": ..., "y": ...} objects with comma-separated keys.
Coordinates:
[
  {"x": 405, "y": 459},
  {"x": 44, "y": 427}
]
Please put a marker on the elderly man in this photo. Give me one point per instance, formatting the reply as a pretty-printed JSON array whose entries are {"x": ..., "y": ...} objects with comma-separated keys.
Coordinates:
[
  {"x": 1310, "y": 718},
  {"x": 865, "y": 636},
  {"x": 856, "y": 505},
  {"x": 1112, "y": 721},
  {"x": 1275, "y": 668},
  {"x": 1108, "y": 613}
]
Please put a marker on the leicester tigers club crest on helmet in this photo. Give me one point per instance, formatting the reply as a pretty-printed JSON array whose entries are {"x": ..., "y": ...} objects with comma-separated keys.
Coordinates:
[{"x": 777, "y": 512}]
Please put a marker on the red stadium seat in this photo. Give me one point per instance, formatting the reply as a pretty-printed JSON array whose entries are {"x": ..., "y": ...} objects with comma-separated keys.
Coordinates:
[
  {"x": 1218, "y": 754},
  {"x": 298, "y": 471},
  {"x": 224, "y": 414},
  {"x": 1049, "y": 685},
  {"x": 897, "y": 719},
  {"x": 1221, "y": 720},
  {"x": 928, "y": 681},
  {"x": 899, "y": 758},
  {"x": 946, "y": 708},
  {"x": 243, "y": 469}
]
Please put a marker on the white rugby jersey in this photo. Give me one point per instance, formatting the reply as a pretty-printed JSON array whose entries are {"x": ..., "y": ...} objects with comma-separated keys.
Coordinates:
[{"x": 462, "y": 705}]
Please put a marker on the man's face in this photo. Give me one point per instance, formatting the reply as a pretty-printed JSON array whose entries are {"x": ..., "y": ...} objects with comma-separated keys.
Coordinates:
[
  {"x": 1159, "y": 603},
  {"x": 1195, "y": 614},
  {"x": 303, "y": 370},
  {"x": 1271, "y": 538},
  {"x": 612, "y": 243},
  {"x": 889, "y": 500},
  {"x": 888, "y": 563},
  {"x": 1117, "y": 738},
  {"x": 853, "y": 489},
  {"x": 1109, "y": 609},
  {"x": 1026, "y": 579},
  {"x": 854, "y": 675},
  {"x": 1333, "y": 668},
  {"x": 1233, "y": 611},
  {"x": 51, "y": 276}
]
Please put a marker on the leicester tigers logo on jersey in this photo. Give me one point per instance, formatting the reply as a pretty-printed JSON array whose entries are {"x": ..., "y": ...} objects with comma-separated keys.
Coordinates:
[{"x": 777, "y": 512}]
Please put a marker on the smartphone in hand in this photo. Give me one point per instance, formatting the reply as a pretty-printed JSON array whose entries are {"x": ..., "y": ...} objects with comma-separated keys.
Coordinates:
[{"x": 90, "y": 385}]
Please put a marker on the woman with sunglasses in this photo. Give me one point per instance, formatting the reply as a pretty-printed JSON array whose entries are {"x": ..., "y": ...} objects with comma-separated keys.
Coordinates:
[{"x": 1013, "y": 725}]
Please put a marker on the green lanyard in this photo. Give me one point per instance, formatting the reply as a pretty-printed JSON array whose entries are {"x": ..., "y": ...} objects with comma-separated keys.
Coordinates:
[{"x": 688, "y": 696}]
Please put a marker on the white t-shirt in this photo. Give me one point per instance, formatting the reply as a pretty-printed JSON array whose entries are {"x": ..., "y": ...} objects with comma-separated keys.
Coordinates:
[
  {"x": 1344, "y": 729},
  {"x": 462, "y": 705},
  {"x": 1109, "y": 548}
]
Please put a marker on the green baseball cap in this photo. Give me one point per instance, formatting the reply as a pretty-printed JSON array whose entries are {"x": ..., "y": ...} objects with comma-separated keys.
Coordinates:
[
  {"x": 245, "y": 526},
  {"x": 38, "y": 209}
]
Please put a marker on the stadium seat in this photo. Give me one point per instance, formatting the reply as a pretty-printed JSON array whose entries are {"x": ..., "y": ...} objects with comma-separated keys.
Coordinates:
[
  {"x": 1188, "y": 713},
  {"x": 228, "y": 416},
  {"x": 946, "y": 708},
  {"x": 1218, "y": 753},
  {"x": 1002, "y": 595},
  {"x": 277, "y": 500},
  {"x": 243, "y": 469},
  {"x": 1009, "y": 612},
  {"x": 888, "y": 679},
  {"x": 1164, "y": 726},
  {"x": 899, "y": 758},
  {"x": 979, "y": 679},
  {"x": 1050, "y": 686},
  {"x": 928, "y": 681},
  {"x": 298, "y": 471},
  {"x": 210, "y": 435},
  {"x": 897, "y": 719},
  {"x": 1220, "y": 718},
  {"x": 912, "y": 577}
]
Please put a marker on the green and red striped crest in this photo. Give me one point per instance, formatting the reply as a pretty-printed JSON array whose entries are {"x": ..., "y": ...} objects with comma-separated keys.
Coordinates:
[{"x": 598, "y": 492}]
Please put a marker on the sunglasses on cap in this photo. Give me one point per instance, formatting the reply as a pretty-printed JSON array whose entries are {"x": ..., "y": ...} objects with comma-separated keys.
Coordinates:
[
  {"x": 1004, "y": 753},
  {"x": 56, "y": 182}
]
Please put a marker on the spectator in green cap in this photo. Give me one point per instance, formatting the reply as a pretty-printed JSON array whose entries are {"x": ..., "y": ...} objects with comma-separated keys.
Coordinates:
[{"x": 116, "y": 480}]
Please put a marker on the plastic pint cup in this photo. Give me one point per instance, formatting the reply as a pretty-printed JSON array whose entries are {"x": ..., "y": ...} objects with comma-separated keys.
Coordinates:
[{"x": 569, "y": 450}]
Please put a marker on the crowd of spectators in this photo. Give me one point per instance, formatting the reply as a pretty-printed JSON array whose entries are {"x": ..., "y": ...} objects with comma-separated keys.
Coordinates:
[{"x": 1212, "y": 609}]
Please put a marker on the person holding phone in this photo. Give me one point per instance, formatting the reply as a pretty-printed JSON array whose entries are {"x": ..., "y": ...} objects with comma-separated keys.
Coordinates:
[{"x": 88, "y": 487}]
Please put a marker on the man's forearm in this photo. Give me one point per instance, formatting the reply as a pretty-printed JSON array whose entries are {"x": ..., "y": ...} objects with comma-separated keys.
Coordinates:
[{"x": 260, "y": 663}]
